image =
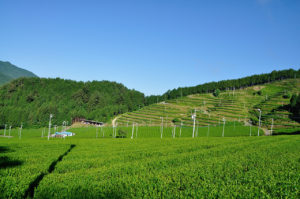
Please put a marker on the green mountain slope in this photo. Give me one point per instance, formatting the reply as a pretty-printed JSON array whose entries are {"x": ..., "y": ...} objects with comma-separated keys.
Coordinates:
[
  {"x": 9, "y": 72},
  {"x": 233, "y": 105},
  {"x": 31, "y": 100}
]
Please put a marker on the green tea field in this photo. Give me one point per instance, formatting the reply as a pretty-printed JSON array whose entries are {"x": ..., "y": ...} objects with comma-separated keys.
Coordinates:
[{"x": 89, "y": 165}]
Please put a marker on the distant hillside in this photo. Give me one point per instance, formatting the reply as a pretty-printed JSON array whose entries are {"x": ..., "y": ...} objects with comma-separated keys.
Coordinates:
[
  {"x": 9, "y": 72},
  {"x": 31, "y": 100},
  {"x": 238, "y": 105},
  {"x": 225, "y": 85}
]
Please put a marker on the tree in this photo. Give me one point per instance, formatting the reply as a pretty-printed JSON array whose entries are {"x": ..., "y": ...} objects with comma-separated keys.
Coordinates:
[
  {"x": 121, "y": 134},
  {"x": 295, "y": 106},
  {"x": 293, "y": 101},
  {"x": 175, "y": 120},
  {"x": 217, "y": 93}
]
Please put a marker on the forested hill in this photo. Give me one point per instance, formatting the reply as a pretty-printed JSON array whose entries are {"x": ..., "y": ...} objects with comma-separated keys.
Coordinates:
[
  {"x": 9, "y": 72},
  {"x": 224, "y": 85},
  {"x": 31, "y": 100}
]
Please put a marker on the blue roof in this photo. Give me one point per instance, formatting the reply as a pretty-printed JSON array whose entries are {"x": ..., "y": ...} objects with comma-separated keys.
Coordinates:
[{"x": 63, "y": 133}]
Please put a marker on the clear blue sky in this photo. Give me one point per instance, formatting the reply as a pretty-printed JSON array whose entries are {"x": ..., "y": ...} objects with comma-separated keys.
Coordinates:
[{"x": 150, "y": 45}]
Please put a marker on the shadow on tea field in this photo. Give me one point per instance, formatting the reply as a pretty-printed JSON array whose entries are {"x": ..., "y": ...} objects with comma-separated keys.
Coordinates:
[{"x": 6, "y": 162}]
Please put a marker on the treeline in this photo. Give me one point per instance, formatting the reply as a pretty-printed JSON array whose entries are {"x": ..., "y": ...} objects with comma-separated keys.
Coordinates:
[
  {"x": 31, "y": 100},
  {"x": 224, "y": 85}
]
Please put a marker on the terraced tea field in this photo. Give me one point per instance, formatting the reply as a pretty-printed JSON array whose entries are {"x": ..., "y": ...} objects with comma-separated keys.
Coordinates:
[{"x": 234, "y": 105}]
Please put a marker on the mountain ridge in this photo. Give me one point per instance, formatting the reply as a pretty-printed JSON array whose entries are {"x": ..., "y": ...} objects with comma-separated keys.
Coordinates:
[{"x": 9, "y": 72}]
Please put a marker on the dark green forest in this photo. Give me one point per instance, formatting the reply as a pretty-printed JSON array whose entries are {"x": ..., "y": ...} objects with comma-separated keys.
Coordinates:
[
  {"x": 211, "y": 87},
  {"x": 31, "y": 100}
]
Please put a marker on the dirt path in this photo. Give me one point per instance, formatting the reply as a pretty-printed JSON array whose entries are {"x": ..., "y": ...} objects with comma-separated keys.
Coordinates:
[
  {"x": 113, "y": 122},
  {"x": 266, "y": 131}
]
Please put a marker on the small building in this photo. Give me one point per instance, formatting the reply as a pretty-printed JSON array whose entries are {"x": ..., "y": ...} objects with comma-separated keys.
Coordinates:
[{"x": 88, "y": 122}]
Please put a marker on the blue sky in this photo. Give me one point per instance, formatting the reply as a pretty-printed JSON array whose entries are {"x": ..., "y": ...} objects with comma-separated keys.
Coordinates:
[{"x": 150, "y": 45}]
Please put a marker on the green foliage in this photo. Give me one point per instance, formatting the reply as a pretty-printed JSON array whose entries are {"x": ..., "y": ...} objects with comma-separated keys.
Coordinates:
[
  {"x": 217, "y": 93},
  {"x": 293, "y": 101},
  {"x": 121, "y": 134},
  {"x": 287, "y": 96},
  {"x": 259, "y": 92},
  {"x": 31, "y": 100},
  {"x": 175, "y": 120}
]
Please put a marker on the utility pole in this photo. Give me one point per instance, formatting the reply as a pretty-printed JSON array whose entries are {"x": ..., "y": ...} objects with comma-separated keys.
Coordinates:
[
  {"x": 96, "y": 131},
  {"x": 20, "y": 131},
  {"x": 49, "y": 126},
  {"x": 223, "y": 126},
  {"x": 272, "y": 126},
  {"x": 132, "y": 130},
  {"x": 65, "y": 125},
  {"x": 197, "y": 129},
  {"x": 250, "y": 127},
  {"x": 207, "y": 130},
  {"x": 194, "y": 118},
  {"x": 5, "y": 130},
  {"x": 180, "y": 129},
  {"x": 162, "y": 127},
  {"x": 259, "y": 122},
  {"x": 116, "y": 130}
]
